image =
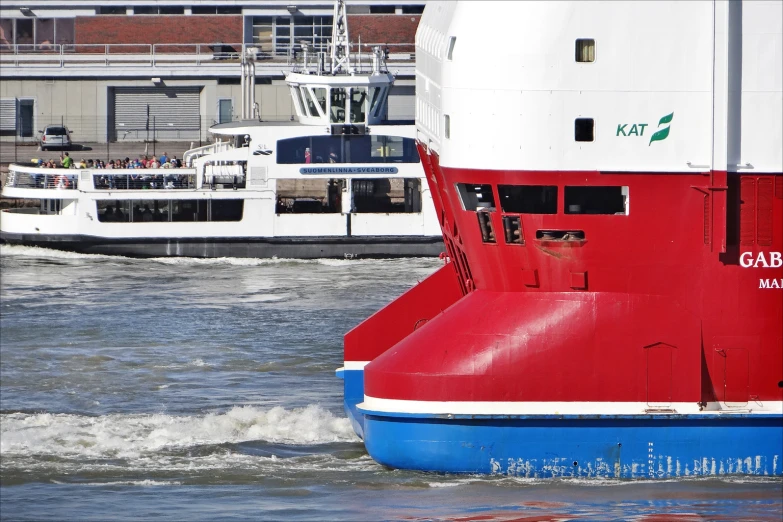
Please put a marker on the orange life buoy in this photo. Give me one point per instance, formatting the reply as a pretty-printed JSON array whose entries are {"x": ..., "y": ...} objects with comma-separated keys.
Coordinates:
[{"x": 62, "y": 181}]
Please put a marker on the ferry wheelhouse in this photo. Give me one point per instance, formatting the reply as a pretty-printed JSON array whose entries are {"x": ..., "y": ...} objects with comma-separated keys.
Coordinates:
[
  {"x": 610, "y": 195},
  {"x": 342, "y": 181}
]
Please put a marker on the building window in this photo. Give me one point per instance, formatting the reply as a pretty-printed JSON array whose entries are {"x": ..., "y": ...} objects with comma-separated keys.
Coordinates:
[
  {"x": 596, "y": 200},
  {"x": 171, "y": 10},
  {"x": 585, "y": 50},
  {"x": 154, "y": 10},
  {"x": 584, "y": 129},
  {"x": 215, "y": 9},
  {"x": 412, "y": 9},
  {"x": 6, "y": 34},
  {"x": 281, "y": 33},
  {"x": 382, "y": 9},
  {"x": 112, "y": 10},
  {"x": 528, "y": 199}
]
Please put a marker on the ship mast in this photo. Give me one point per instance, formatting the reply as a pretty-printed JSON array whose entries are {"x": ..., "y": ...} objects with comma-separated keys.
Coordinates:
[{"x": 341, "y": 45}]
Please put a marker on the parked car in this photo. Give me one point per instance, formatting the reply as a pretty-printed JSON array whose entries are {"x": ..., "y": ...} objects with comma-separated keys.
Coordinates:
[{"x": 55, "y": 136}]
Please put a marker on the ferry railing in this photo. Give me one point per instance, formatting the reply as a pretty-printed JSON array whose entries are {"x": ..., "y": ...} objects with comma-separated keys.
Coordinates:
[
  {"x": 38, "y": 178},
  {"x": 211, "y": 148}
]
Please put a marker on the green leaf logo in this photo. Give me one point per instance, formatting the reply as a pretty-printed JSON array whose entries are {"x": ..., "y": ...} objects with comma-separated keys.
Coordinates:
[{"x": 663, "y": 133}]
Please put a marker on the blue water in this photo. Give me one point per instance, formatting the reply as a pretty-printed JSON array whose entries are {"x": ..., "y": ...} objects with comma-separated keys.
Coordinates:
[{"x": 204, "y": 390}]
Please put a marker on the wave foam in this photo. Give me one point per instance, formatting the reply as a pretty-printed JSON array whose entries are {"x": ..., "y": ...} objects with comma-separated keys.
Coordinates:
[{"x": 130, "y": 436}]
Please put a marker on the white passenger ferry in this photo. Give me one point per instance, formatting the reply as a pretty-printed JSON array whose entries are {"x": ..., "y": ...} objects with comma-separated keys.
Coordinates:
[{"x": 337, "y": 183}]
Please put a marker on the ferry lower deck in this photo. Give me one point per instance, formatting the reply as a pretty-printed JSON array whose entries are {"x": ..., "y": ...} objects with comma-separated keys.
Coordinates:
[{"x": 225, "y": 213}]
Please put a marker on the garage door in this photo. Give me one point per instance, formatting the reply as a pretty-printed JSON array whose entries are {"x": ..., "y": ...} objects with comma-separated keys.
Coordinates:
[
  {"x": 402, "y": 102},
  {"x": 162, "y": 113},
  {"x": 8, "y": 115}
]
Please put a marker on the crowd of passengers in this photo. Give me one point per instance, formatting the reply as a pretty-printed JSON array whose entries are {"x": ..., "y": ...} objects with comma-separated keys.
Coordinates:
[{"x": 142, "y": 162}]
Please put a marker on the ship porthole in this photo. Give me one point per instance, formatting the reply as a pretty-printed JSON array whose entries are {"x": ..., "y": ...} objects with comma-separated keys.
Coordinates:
[{"x": 780, "y": 384}]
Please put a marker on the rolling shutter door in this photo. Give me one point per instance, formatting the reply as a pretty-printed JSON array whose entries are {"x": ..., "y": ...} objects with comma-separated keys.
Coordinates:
[
  {"x": 7, "y": 114},
  {"x": 168, "y": 112},
  {"x": 401, "y": 102}
]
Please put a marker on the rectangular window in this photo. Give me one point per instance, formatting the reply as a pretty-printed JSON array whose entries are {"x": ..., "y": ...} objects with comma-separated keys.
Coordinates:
[
  {"x": 485, "y": 225},
  {"x": 309, "y": 196},
  {"x": 512, "y": 230},
  {"x": 452, "y": 41},
  {"x": 44, "y": 33},
  {"x": 358, "y": 104},
  {"x": 24, "y": 32},
  {"x": 584, "y": 129},
  {"x": 528, "y": 199},
  {"x": 596, "y": 200},
  {"x": 188, "y": 210},
  {"x": 412, "y": 9},
  {"x": 585, "y": 50},
  {"x": 6, "y": 34},
  {"x": 112, "y": 10},
  {"x": 64, "y": 30},
  {"x": 476, "y": 197},
  {"x": 385, "y": 195},
  {"x": 376, "y": 148},
  {"x": 145, "y": 10},
  {"x": 226, "y": 209},
  {"x": 447, "y": 126},
  {"x": 382, "y": 9},
  {"x": 338, "y": 105},
  {"x": 171, "y": 10}
]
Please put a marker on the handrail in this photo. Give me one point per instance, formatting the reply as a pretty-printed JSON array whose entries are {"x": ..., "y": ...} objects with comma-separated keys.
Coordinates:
[{"x": 172, "y": 54}]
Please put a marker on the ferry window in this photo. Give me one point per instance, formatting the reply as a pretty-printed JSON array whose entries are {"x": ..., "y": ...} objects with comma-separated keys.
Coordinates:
[
  {"x": 596, "y": 200},
  {"x": 585, "y": 50},
  {"x": 358, "y": 99},
  {"x": 386, "y": 195},
  {"x": 347, "y": 149},
  {"x": 512, "y": 230},
  {"x": 338, "y": 105},
  {"x": 386, "y": 149},
  {"x": 309, "y": 105},
  {"x": 377, "y": 96},
  {"x": 298, "y": 100},
  {"x": 476, "y": 197},
  {"x": 309, "y": 196},
  {"x": 113, "y": 211},
  {"x": 226, "y": 209},
  {"x": 452, "y": 41},
  {"x": 584, "y": 129},
  {"x": 320, "y": 97},
  {"x": 528, "y": 199},
  {"x": 485, "y": 225},
  {"x": 447, "y": 125},
  {"x": 188, "y": 210}
]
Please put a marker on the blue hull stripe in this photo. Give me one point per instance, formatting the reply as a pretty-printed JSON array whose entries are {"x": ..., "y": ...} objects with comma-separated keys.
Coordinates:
[{"x": 654, "y": 446}]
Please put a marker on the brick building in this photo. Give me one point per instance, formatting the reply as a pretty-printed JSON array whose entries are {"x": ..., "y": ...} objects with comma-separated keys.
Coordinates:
[{"x": 168, "y": 70}]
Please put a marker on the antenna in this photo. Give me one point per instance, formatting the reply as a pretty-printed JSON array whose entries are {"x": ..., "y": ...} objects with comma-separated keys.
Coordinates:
[{"x": 341, "y": 46}]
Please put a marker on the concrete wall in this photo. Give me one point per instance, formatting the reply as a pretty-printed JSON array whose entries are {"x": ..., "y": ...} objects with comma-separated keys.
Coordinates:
[{"x": 83, "y": 104}]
